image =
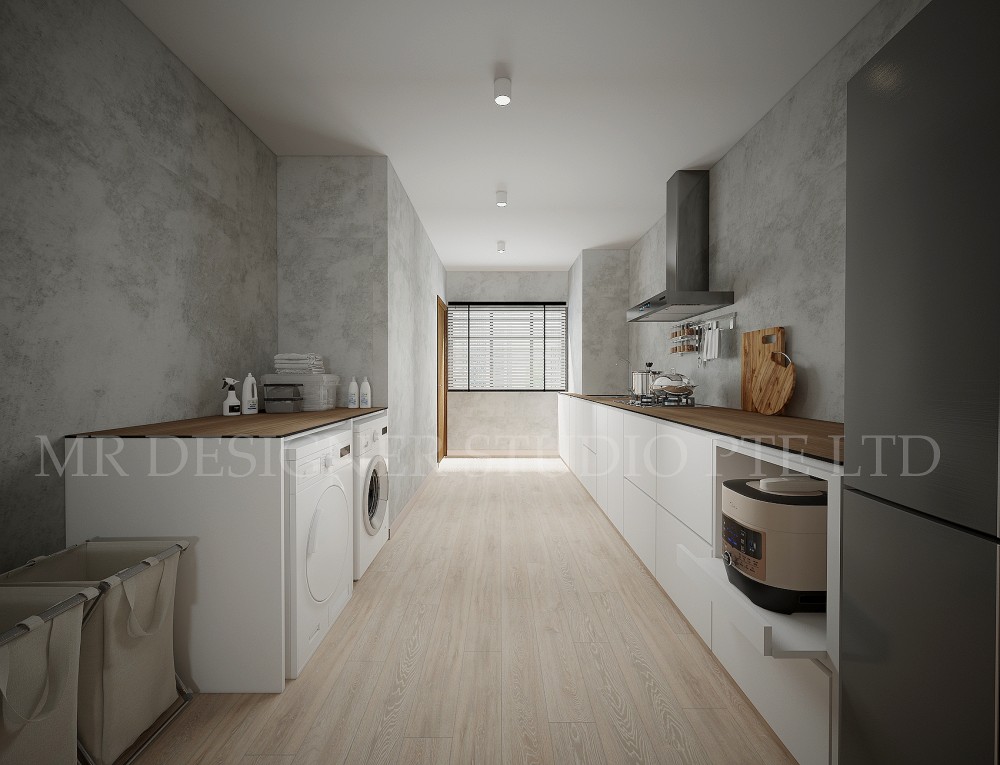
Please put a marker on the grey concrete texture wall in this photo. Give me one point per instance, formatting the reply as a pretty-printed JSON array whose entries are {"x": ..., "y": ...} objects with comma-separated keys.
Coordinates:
[
  {"x": 574, "y": 326},
  {"x": 778, "y": 222},
  {"x": 416, "y": 280},
  {"x": 507, "y": 286},
  {"x": 502, "y": 423},
  {"x": 605, "y": 332},
  {"x": 333, "y": 266},
  {"x": 498, "y": 422},
  {"x": 137, "y": 244}
]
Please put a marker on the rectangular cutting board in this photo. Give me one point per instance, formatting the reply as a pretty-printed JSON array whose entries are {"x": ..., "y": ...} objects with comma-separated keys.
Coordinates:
[{"x": 757, "y": 349}]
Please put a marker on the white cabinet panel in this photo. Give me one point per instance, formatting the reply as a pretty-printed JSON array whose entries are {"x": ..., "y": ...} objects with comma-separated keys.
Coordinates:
[
  {"x": 690, "y": 596},
  {"x": 616, "y": 463},
  {"x": 639, "y": 526},
  {"x": 684, "y": 477},
  {"x": 793, "y": 695},
  {"x": 640, "y": 451},
  {"x": 589, "y": 419},
  {"x": 563, "y": 411},
  {"x": 601, "y": 447},
  {"x": 588, "y": 471}
]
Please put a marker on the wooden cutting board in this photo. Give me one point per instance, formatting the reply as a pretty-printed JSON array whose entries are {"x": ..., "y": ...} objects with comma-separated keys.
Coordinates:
[
  {"x": 773, "y": 384},
  {"x": 757, "y": 349}
]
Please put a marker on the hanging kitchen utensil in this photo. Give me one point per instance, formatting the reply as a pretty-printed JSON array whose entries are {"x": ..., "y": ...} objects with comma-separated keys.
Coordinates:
[{"x": 773, "y": 384}]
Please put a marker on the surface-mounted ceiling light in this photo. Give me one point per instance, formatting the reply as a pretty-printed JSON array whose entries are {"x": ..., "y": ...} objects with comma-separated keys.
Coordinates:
[
  {"x": 501, "y": 199},
  {"x": 501, "y": 247},
  {"x": 501, "y": 91}
]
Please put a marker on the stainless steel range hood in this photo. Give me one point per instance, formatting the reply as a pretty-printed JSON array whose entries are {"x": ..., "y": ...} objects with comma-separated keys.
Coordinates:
[{"x": 687, "y": 292}]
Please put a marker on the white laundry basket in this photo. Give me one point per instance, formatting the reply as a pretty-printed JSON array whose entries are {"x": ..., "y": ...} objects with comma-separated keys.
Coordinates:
[
  {"x": 127, "y": 677},
  {"x": 40, "y": 631}
]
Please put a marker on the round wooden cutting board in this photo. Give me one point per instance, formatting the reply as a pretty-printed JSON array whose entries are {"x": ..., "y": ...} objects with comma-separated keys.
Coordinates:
[{"x": 773, "y": 384}]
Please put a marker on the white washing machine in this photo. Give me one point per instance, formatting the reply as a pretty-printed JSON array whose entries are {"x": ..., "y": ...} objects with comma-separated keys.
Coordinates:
[
  {"x": 319, "y": 548},
  {"x": 371, "y": 486}
]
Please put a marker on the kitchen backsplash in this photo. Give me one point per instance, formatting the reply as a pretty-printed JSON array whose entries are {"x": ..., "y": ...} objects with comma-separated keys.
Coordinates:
[{"x": 777, "y": 234}]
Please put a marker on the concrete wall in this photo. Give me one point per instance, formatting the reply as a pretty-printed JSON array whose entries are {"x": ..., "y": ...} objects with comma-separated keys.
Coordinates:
[
  {"x": 574, "y": 327},
  {"x": 777, "y": 220},
  {"x": 605, "y": 332},
  {"x": 416, "y": 280},
  {"x": 137, "y": 244},
  {"x": 358, "y": 283},
  {"x": 598, "y": 334},
  {"x": 333, "y": 278},
  {"x": 496, "y": 422},
  {"x": 507, "y": 286}
]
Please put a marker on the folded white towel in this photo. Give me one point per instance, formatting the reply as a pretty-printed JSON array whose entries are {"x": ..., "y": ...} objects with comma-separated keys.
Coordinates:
[{"x": 297, "y": 357}]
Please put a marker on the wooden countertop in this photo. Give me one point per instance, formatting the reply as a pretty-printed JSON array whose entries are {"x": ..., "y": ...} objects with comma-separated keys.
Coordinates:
[
  {"x": 820, "y": 439},
  {"x": 256, "y": 425}
]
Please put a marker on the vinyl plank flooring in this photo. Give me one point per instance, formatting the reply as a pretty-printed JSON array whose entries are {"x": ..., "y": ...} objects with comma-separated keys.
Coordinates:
[
  {"x": 329, "y": 738},
  {"x": 670, "y": 731},
  {"x": 526, "y": 736},
  {"x": 193, "y": 727},
  {"x": 507, "y": 621},
  {"x": 425, "y": 751},
  {"x": 478, "y": 725},
  {"x": 565, "y": 691},
  {"x": 577, "y": 743},
  {"x": 380, "y": 734},
  {"x": 722, "y": 737},
  {"x": 623, "y": 735}
]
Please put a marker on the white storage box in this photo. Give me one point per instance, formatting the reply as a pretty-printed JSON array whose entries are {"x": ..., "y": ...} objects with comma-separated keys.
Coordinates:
[{"x": 319, "y": 392}]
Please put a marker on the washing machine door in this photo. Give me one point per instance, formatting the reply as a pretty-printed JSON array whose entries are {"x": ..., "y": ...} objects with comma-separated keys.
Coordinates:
[
  {"x": 327, "y": 546},
  {"x": 375, "y": 495}
]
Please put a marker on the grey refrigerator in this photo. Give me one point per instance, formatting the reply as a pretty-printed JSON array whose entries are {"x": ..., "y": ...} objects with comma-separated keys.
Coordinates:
[{"x": 920, "y": 561}]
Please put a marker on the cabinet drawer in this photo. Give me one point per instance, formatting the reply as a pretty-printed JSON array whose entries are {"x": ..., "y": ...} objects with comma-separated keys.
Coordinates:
[
  {"x": 793, "y": 695},
  {"x": 639, "y": 526},
  {"x": 684, "y": 477},
  {"x": 640, "y": 452},
  {"x": 688, "y": 594}
]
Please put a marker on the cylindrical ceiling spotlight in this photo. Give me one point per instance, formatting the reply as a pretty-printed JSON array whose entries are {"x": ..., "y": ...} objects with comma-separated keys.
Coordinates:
[
  {"x": 501, "y": 91},
  {"x": 501, "y": 199},
  {"x": 501, "y": 247}
]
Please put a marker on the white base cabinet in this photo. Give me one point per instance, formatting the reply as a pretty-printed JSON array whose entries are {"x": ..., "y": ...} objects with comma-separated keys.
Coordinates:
[
  {"x": 684, "y": 480},
  {"x": 660, "y": 485},
  {"x": 639, "y": 525},
  {"x": 693, "y": 600},
  {"x": 615, "y": 466}
]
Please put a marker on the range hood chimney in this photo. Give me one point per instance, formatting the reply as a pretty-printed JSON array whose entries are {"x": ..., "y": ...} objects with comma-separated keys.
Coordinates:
[{"x": 687, "y": 292}]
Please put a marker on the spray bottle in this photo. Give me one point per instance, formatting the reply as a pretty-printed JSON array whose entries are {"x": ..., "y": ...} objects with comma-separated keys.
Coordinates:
[
  {"x": 250, "y": 395},
  {"x": 232, "y": 404}
]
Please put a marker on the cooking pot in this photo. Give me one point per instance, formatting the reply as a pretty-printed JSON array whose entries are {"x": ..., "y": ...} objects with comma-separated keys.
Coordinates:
[{"x": 642, "y": 382}]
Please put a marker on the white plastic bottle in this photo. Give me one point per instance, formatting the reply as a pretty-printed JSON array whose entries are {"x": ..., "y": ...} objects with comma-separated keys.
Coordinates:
[
  {"x": 366, "y": 394},
  {"x": 232, "y": 404},
  {"x": 250, "y": 395},
  {"x": 352, "y": 394}
]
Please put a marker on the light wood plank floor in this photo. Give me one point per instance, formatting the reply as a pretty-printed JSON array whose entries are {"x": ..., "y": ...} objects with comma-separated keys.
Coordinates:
[{"x": 506, "y": 621}]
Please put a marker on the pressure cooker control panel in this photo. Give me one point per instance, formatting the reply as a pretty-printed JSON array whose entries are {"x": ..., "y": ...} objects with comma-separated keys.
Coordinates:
[{"x": 743, "y": 548}]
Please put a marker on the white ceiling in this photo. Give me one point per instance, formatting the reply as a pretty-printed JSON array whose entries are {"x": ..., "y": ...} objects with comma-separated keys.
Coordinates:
[{"x": 610, "y": 97}]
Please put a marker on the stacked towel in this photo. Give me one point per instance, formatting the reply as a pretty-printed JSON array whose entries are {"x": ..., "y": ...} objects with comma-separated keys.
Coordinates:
[{"x": 299, "y": 363}]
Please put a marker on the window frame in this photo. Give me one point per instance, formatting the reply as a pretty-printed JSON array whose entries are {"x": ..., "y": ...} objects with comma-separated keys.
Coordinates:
[{"x": 532, "y": 303}]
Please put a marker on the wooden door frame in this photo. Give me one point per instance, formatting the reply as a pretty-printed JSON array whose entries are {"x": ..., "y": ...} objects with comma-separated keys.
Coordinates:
[{"x": 442, "y": 379}]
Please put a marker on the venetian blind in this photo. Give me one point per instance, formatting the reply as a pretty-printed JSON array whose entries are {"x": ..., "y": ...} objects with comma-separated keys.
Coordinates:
[{"x": 507, "y": 346}]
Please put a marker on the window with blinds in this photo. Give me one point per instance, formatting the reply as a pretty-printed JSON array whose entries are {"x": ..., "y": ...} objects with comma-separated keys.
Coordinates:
[{"x": 507, "y": 346}]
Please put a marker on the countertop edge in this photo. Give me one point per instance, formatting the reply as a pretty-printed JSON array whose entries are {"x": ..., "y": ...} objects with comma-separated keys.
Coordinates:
[
  {"x": 663, "y": 414},
  {"x": 117, "y": 432}
]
